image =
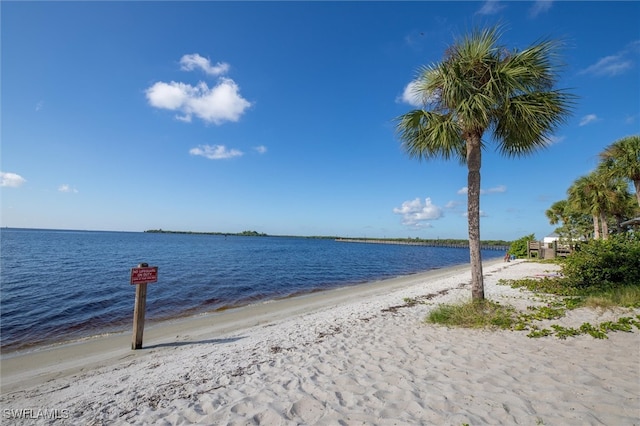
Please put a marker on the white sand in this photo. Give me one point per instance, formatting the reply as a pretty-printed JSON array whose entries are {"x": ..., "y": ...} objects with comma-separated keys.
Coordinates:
[{"x": 339, "y": 357}]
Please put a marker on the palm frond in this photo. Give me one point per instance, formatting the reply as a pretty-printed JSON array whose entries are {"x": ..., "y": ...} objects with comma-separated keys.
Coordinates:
[
  {"x": 526, "y": 122},
  {"x": 427, "y": 134}
]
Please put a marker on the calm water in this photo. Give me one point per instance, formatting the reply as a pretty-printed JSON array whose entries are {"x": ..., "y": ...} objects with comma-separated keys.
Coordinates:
[{"x": 65, "y": 285}]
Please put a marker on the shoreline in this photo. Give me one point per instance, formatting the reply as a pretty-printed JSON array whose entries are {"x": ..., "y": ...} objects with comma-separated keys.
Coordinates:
[
  {"x": 78, "y": 309},
  {"x": 72, "y": 356},
  {"x": 358, "y": 354},
  {"x": 179, "y": 318}
]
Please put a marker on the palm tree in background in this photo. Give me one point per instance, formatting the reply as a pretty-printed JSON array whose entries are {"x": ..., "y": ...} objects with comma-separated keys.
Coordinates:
[
  {"x": 481, "y": 86},
  {"x": 572, "y": 227},
  {"x": 557, "y": 212},
  {"x": 622, "y": 159},
  {"x": 575, "y": 223},
  {"x": 599, "y": 196}
]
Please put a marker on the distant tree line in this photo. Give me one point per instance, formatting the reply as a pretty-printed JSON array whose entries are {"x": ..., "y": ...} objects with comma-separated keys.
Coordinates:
[
  {"x": 239, "y": 234},
  {"x": 439, "y": 241}
]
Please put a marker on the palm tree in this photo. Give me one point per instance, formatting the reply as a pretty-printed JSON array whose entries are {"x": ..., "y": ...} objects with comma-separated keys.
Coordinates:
[
  {"x": 599, "y": 196},
  {"x": 557, "y": 212},
  {"x": 575, "y": 224},
  {"x": 625, "y": 207},
  {"x": 481, "y": 86},
  {"x": 622, "y": 159}
]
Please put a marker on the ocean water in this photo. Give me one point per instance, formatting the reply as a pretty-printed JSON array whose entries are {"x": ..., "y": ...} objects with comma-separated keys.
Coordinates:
[{"x": 59, "y": 285}]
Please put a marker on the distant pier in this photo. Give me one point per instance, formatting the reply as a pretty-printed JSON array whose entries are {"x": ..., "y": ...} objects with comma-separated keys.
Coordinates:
[{"x": 429, "y": 243}]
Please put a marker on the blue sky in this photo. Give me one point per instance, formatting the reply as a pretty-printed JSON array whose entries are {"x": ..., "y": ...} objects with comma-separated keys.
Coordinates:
[{"x": 279, "y": 116}]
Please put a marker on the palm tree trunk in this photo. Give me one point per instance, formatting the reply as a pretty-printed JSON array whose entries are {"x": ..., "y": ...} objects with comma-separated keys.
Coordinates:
[
  {"x": 636, "y": 183},
  {"x": 473, "y": 215},
  {"x": 605, "y": 226},
  {"x": 596, "y": 227}
]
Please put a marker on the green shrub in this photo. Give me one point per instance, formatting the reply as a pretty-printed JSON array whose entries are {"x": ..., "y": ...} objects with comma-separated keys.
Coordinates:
[
  {"x": 601, "y": 264},
  {"x": 520, "y": 247}
]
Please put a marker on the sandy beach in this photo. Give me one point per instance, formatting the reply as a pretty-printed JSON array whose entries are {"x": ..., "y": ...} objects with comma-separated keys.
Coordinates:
[{"x": 356, "y": 355}]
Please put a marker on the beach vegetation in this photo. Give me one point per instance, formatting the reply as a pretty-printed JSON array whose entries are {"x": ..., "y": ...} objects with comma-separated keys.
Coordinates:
[
  {"x": 628, "y": 297},
  {"x": 599, "y": 203},
  {"x": 600, "y": 274},
  {"x": 599, "y": 265},
  {"x": 492, "y": 315},
  {"x": 573, "y": 298},
  {"x": 600, "y": 331},
  {"x": 481, "y": 86},
  {"x": 474, "y": 314},
  {"x": 621, "y": 159},
  {"x": 519, "y": 247}
]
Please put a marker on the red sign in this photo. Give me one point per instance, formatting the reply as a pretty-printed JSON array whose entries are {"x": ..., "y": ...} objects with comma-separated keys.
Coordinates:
[{"x": 148, "y": 274}]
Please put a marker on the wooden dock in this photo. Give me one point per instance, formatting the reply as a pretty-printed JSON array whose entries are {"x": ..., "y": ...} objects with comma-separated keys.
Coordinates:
[{"x": 420, "y": 243}]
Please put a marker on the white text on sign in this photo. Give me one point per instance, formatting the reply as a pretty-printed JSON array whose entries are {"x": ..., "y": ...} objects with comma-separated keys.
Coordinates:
[{"x": 147, "y": 274}]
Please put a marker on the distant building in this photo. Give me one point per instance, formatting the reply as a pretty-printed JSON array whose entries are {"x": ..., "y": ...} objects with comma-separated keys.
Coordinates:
[{"x": 549, "y": 239}]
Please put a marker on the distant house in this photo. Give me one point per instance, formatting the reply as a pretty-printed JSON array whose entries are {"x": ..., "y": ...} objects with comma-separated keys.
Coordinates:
[
  {"x": 549, "y": 239},
  {"x": 552, "y": 246}
]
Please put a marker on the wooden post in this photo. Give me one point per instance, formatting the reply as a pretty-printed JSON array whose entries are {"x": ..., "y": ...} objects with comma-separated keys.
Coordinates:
[
  {"x": 138, "y": 315},
  {"x": 141, "y": 276}
]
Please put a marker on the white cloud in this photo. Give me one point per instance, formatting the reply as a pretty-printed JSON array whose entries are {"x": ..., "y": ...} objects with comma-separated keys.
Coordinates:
[
  {"x": 497, "y": 189},
  {"x": 66, "y": 188},
  {"x": 410, "y": 95},
  {"x": 482, "y": 214},
  {"x": 609, "y": 65},
  {"x": 215, "y": 152},
  {"x": 490, "y": 7},
  {"x": 261, "y": 149},
  {"x": 216, "y": 104},
  {"x": 414, "y": 213},
  {"x": 185, "y": 118},
  {"x": 551, "y": 140},
  {"x": 587, "y": 119},
  {"x": 451, "y": 205},
  {"x": 630, "y": 119},
  {"x": 540, "y": 6},
  {"x": 618, "y": 63},
  {"x": 169, "y": 95},
  {"x": 193, "y": 61},
  {"x": 39, "y": 106},
  {"x": 11, "y": 180}
]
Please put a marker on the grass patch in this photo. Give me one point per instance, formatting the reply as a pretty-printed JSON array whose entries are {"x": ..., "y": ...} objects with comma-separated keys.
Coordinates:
[
  {"x": 627, "y": 297},
  {"x": 474, "y": 314},
  {"x": 558, "y": 295}
]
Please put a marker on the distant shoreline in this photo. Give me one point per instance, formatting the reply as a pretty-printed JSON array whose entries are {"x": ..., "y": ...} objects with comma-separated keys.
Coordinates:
[
  {"x": 447, "y": 242},
  {"x": 237, "y": 234},
  {"x": 428, "y": 243},
  {"x": 439, "y": 242}
]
